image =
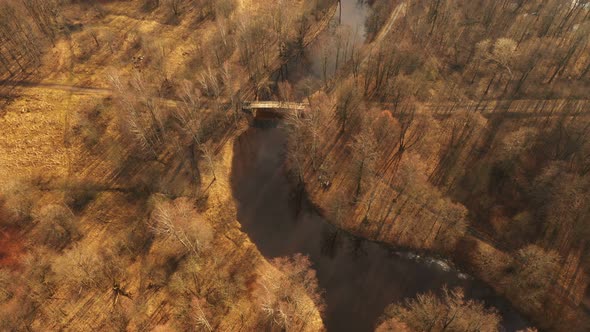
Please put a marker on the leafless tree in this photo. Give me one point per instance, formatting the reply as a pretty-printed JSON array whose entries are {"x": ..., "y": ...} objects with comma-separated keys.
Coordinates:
[
  {"x": 175, "y": 6},
  {"x": 452, "y": 312},
  {"x": 364, "y": 154},
  {"x": 290, "y": 295},
  {"x": 20, "y": 46},
  {"x": 536, "y": 272},
  {"x": 56, "y": 226},
  {"x": 179, "y": 221},
  {"x": 347, "y": 108},
  {"x": 46, "y": 15}
]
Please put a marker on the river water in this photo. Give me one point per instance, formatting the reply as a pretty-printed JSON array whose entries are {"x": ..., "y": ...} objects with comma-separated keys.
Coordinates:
[
  {"x": 354, "y": 15},
  {"x": 323, "y": 57},
  {"x": 359, "y": 278}
]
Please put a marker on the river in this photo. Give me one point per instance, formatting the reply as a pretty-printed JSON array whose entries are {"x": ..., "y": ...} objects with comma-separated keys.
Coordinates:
[
  {"x": 343, "y": 37},
  {"x": 359, "y": 278}
]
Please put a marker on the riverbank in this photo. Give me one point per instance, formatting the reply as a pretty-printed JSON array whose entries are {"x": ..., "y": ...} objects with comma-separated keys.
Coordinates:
[
  {"x": 221, "y": 205},
  {"x": 399, "y": 218}
]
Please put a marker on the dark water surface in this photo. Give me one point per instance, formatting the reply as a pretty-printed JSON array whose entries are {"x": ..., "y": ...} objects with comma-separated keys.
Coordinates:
[
  {"x": 349, "y": 25},
  {"x": 360, "y": 278},
  {"x": 354, "y": 15}
]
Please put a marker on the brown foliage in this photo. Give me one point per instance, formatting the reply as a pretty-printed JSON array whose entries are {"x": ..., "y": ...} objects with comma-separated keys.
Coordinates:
[
  {"x": 287, "y": 296},
  {"x": 178, "y": 223},
  {"x": 56, "y": 226},
  {"x": 18, "y": 200},
  {"x": 451, "y": 312}
]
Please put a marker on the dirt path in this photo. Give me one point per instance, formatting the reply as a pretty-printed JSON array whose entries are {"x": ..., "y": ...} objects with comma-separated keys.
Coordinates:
[
  {"x": 60, "y": 86},
  {"x": 443, "y": 109},
  {"x": 515, "y": 109},
  {"x": 398, "y": 12},
  {"x": 30, "y": 87}
]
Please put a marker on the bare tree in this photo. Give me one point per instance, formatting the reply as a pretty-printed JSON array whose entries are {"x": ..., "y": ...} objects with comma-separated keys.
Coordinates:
[
  {"x": 189, "y": 112},
  {"x": 56, "y": 226},
  {"x": 141, "y": 118},
  {"x": 208, "y": 153},
  {"x": 20, "y": 45},
  {"x": 178, "y": 220},
  {"x": 460, "y": 129},
  {"x": 94, "y": 33},
  {"x": 82, "y": 269},
  {"x": 175, "y": 6},
  {"x": 224, "y": 8},
  {"x": 452, "y": 312},
  {"x": 46, "y": 15},
  {"x": 501, "y": 54},
  {"x": 347, "y": 108},
  {"x": 290, "y": 295},
  {"x": 18, "y": 196},
  {"x": 200, "y": 316},
  {"x": 536, "y": 271},
  {"x": 411, "y": 130},
  {"x": 364, "y": 154}
]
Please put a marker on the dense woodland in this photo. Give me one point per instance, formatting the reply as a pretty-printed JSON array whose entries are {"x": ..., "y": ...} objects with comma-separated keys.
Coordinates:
[
  {"x": 458, "y": 128},
  {"x": 468, "y": 125}
]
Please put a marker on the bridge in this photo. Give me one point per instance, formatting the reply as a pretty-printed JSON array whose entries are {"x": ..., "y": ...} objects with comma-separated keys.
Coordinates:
[{"x": 285, "y": 106}]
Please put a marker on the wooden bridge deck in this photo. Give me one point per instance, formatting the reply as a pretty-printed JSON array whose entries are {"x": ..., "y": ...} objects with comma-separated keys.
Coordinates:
[{"x": 284, "y": 105}]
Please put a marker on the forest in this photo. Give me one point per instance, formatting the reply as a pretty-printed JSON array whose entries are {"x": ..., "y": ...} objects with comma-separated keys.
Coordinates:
[{"x": 308, "y": 165}]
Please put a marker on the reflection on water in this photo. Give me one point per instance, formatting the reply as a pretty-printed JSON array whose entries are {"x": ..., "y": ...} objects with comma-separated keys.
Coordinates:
[
  {"x": 354, "y": 15},
  {"x": 330, "y": 52},
  {"x": 360, "y": 278}
]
